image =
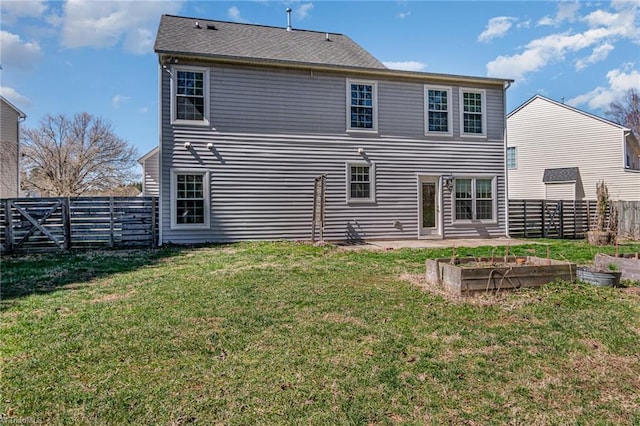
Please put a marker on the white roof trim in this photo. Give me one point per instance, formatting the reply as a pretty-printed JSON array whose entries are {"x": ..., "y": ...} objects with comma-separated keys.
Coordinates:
[
  {"x": 20, "y": 113},
  {"x": 604, "y": 120},
  {"x": 148, "y": 155}
]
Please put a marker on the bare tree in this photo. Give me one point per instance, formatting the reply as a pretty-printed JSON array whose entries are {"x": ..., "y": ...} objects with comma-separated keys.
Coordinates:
[
  {"x": 626, "y": 111},
  {"x": 69, "y": 157}
]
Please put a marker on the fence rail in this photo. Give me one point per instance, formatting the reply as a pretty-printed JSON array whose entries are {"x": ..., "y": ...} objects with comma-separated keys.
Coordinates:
[
  {"x": 45, "y": 224},
  {"x": 568, "y": 218}
]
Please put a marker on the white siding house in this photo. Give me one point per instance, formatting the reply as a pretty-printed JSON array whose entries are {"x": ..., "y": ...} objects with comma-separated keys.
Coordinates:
[
  {"x": 150, "y": 173},
  {"x": 10, "y": 118},
  {"x": 555, "y": 151}
]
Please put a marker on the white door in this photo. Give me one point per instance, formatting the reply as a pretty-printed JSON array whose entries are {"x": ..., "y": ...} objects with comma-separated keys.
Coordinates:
[{"x": 429, "y": 208}]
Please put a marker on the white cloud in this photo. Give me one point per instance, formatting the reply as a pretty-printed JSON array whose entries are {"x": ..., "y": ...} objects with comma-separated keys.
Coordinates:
[
  {"x": 302, "y": 12},
  {"x": 598, "y": 54},
  {"x": 406, "y": 65},
  {"x": 496, "y": 27},
  {"x": 14, "y": 52},
  {"x": 14, "y": 97},
  {"x": 14, "y": 9},
  {"x": 403, "y": 15},
  {"x": 143, "y": 110},
  {"x": 567, "y": 11},
  {"x": 119, "y": 99},
  {"x": 234, "y": 14},
  {"x": 102, "y": 24},
  {"x": 554, "y": 47},
  {"x": 620, "y": 81}
]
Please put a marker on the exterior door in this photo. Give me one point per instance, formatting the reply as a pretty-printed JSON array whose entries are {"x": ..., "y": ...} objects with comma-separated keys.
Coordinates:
[{"x": 429, "y": 211}]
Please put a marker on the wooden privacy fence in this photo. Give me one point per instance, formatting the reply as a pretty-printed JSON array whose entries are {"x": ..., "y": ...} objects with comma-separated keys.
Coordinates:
[
  {"x": 44, "y": 224},
  {"x": 568, "y": 218}
]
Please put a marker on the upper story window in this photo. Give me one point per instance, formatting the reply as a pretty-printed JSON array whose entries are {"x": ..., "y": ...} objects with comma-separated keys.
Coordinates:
[
  {"x": 360, "y": 182},
  {"x": 362, "y": 105},
  {"x": 473, "y": 118},
  {"x": 190, "y": 103},
  {"x": 475, "y": 199},
  {"x": 438, "y": 109},
  {"x": 511, "y": 158}
]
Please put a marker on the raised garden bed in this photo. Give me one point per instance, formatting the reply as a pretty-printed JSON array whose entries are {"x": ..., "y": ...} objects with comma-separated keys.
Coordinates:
[
  {"x": 467, "y": 276},
  {"x": 627, "y": 264}
]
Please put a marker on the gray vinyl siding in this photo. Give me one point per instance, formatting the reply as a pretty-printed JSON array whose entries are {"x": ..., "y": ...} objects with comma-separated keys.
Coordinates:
[
  {"x": 274, "y": 132},
  {"x": 549, "y": 135},
  {"x": 9, "y": 152}
]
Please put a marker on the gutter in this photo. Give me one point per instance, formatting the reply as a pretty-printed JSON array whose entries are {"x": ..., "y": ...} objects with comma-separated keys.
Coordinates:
[
  {"x": 336, "y": 69},
  {"x": 506, "y": 171}
]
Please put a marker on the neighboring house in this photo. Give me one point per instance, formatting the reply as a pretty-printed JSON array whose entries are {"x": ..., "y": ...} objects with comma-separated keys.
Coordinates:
[
  {"x": 558, "y": 152},
  {"x": 150, "y": 173},
  {"x": 11, "y": 117},
  {"x": 251, "y": 115}
]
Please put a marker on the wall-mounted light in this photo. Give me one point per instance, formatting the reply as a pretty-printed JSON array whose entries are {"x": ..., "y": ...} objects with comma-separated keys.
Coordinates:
[
  {"x": 361, "y": 151},
  {"x": 210, "y": 146},
  {"x": 447, "y": 181},
  {"x": 187, "y": 145}
]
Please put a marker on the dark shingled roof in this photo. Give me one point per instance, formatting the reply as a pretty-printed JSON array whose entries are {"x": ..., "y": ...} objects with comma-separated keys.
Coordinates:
[
  {"x": 566, "y": 174},
  {"x": 180, "y": 35}
]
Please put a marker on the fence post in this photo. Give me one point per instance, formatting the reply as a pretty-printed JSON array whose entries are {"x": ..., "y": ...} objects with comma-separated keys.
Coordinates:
[
  {"x": 111, "y": 225},
  {"x": 525, "y": 217},
  {"x": 544, "y": 213},
  {"x": 154, "y": 241},
  {"x": 8, "y": 226},
  {"x": 66, "y": 222},
  {"x": 561, "y": 219}
]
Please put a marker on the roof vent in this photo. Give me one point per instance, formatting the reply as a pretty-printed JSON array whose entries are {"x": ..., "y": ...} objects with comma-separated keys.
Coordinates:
[
  {"x": 211, "y": 27},
  {"x": 288, "y": 19},
  {"x": 327, "y": 37},
  {"x": 197, "y": 25}
]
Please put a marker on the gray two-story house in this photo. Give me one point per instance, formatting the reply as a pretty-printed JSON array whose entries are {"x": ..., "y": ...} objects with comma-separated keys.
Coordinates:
[{"x": 251, "y": 116}]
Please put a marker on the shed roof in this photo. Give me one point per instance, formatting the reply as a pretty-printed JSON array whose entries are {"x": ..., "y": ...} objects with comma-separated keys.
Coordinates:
[
  {"x": 201, "y": 37},
  {"x": 560, "y": 175}
]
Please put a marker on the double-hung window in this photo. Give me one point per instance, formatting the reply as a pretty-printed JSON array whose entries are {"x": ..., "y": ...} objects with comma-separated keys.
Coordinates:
[
  {"x": 474, "y": 199},
  {"x": 190, "y": 103},
  {"x": 189, "y": 199},
  {"x": 361, "y": 105},
  {"x": 438, "y": 110},
  {"x": 473, "y": 118},
  {"x": 360, "y": 182},
  {"x": 511, "y": 158}
]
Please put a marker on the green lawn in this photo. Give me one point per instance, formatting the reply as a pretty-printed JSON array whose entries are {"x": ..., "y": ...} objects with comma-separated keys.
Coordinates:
[{"x": 284, "y": 333}]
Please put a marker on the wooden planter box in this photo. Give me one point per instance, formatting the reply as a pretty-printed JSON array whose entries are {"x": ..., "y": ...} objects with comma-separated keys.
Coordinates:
[
  {"x": 628, "y": 264},
  {"x": 471, "y": 275}
]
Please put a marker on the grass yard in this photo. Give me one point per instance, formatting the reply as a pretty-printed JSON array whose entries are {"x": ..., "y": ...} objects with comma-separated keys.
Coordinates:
[{"x": 285, "y": 333}]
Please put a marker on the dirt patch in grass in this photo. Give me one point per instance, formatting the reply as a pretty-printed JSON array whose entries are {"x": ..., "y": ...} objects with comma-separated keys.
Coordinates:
[{"x": 114, "y": 297}]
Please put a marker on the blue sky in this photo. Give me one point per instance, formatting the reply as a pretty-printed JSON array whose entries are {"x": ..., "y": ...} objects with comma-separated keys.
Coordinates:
[{"x": 97, "y": 56}]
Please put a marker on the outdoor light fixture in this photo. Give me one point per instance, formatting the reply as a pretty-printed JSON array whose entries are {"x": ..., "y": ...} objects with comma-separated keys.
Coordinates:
[
  {"x": 210, "y": 146},
  {"x": 187, "y": 145},
  {"x": 361, "y": 151},
  {"x": 447, "y": 181}
]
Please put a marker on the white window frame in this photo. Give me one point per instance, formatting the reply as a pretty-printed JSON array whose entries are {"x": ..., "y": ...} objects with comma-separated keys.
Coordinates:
[
  {"x": 449, "y": 131},
  {"x": 494, "y": 201},
  {"x": 174, "y": 93},
  {"x": 483, "y": 99},
  {"x": 515, "y": 158},
  {"x": 372, "y": 182},
  {"x": 206, "y": 183},
  {"x": 374, "y": 90}
]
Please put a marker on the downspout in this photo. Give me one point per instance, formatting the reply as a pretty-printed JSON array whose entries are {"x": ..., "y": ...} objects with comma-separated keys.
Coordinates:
[
  {"x": 160, "y": 181},
  {"x": 506, "y": 172}
]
